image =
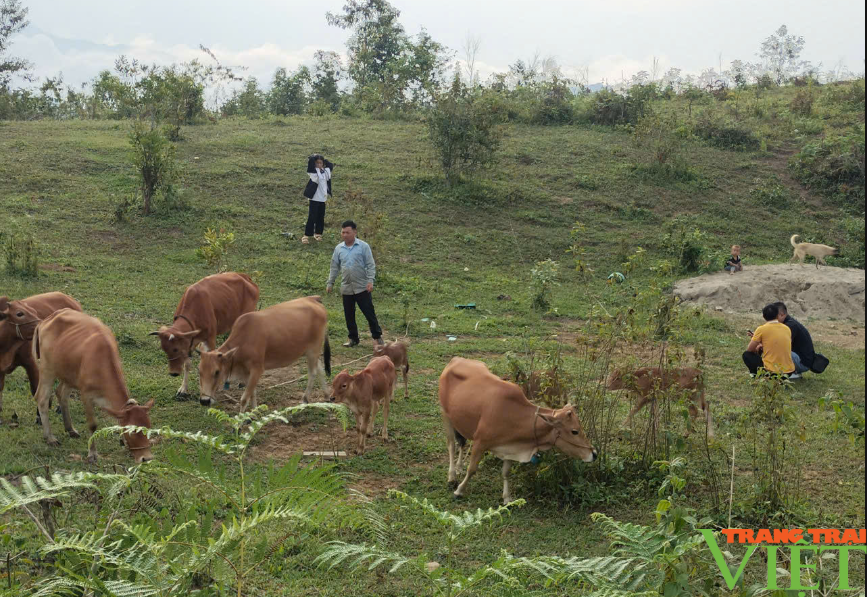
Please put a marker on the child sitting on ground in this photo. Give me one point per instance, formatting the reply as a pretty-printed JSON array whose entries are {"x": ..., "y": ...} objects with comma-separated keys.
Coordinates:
[{"x": 734, "y": 263}]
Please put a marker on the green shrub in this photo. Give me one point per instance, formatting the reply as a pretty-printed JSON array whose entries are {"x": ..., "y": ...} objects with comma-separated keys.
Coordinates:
[
  {"x": 688, "y": 244},
  {"x": 802, "y": 103},
  {"x": 543, "y": 279},
  {"x": 154, "y": 161},
  {"x": 724, "y": 135},
  {"x": 463, "y": 134},
  {"x": 22, "y": 255},
  {"x": 216, "y": 247},
  {"x": 834, "y": 166},
  {"x": 554, "y": 106}
]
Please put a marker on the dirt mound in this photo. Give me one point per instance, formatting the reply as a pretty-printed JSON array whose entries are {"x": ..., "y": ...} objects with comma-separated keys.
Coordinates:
[{"x": 824, "y": 293}]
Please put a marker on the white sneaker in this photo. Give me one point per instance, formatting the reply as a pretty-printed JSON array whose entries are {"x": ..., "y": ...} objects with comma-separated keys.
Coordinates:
[{"x": 795, "y": 376}]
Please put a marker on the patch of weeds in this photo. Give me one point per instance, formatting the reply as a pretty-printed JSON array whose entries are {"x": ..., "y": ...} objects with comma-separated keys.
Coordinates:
[
  {"x": 586, "y": 182},
  {"x": 771, "y": 194}
]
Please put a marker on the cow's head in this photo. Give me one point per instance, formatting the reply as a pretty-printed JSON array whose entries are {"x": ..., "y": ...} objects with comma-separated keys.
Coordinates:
[
  {"x": 139, "y": 415},
  {"x": 17, "y": 323},
  {"x": 571, "y": 438},
  {"x": 340, "y": 387},
  {"x": 617, "y": 380},
  {"x": 177, "y": 345},
  {"x": 214, "y": 368}
]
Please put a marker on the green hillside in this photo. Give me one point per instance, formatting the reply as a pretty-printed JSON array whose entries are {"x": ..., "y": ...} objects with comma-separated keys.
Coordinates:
[{"x": 62, "y": 184}]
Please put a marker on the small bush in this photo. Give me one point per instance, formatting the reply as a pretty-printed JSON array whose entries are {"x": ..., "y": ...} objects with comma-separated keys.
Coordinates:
[
  {"x": 216, "y": 248},
  {"x": 610, "y": 107},
  {"x": 664, "y": 174},
  {"x": 464, "y": 136},
  {"x": 544, "y": 278},
  {"x": 22, "y": 255},
  {"x": 688, "y": 244},
  {"x": 154, "y": 160},
  {"x": 834, "y": 166},
  {"x": 802, "y": 103},
  {"x": 721, "y": 134}
]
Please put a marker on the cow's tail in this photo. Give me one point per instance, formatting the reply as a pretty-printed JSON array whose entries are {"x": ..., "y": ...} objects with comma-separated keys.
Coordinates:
[
  {"x": 462, "y": 441},
  {"x": 326, "y": 356}
]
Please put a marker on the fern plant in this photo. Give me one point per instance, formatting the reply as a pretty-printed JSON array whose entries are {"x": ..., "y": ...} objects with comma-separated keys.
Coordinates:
[
  {"x": 606, "y": 576},
  {"x": 230, "y": 523},
  {"x": 442, "y": 579}
]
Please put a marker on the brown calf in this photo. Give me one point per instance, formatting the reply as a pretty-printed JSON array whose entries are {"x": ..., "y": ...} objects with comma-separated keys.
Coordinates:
[
  {"x": 208, "y": 308},
  {"x": 646, "y": 381},
  {"x": 272, "y": 338},
  {"x": 18, "y": 320},
  {"x": 397, "y": 352},
  {"x": 82, "y": 353},
  {"x": 363, "y": 392}
]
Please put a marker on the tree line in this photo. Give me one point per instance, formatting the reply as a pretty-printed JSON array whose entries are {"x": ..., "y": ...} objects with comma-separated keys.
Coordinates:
[{"x": 388, "y": 73}]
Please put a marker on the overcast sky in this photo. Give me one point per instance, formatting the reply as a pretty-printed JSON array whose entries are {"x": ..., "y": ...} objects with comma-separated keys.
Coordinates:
[{"x": 612, "y": 38}]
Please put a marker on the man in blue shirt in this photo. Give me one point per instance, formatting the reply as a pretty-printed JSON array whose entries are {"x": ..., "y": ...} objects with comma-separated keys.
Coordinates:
[{"x": 354, "y": 260}]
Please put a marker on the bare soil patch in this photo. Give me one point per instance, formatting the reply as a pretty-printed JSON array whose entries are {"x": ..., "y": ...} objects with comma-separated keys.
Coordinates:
[
  {"x": 824, "y": 293},
  {"x": 56, "y": 267}
]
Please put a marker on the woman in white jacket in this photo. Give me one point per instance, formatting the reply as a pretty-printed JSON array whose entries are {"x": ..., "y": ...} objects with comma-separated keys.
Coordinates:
[{"x": 317, "y": 191}]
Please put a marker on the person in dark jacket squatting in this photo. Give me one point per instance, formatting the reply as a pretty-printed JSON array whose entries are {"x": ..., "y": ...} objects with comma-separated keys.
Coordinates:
[
  {"x": 803, "y": 353},
  {"x": 354, "y": 259},
  {"x": 317, "y": 190}
]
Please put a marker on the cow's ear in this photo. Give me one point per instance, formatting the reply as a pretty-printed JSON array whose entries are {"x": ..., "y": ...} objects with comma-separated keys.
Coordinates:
[
  {"x": 4, "y": 304},
  {"x": 227, "y": 354},
  {"x": 548, "y": 419},
  {"x": 149, "y": 404},
  {"x": 154, "y": 333},
  {"x": 190, "y": 334}
]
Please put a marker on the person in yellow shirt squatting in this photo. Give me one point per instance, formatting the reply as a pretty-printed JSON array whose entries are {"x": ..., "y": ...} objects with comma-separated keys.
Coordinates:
[{"x": 770, "y": 346}]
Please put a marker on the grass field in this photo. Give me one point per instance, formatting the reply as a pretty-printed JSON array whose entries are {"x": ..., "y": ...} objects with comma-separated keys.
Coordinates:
[{"x": 62, "y": 180}]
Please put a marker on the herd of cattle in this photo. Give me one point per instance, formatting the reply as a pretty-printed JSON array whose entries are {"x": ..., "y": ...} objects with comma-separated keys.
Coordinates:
[{"x": 51, "y": 337}]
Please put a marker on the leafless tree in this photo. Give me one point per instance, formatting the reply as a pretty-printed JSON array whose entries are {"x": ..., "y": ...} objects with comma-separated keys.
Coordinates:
[
  {"x": 471, "y": 46},
  {"x": 655, "y": 70}
]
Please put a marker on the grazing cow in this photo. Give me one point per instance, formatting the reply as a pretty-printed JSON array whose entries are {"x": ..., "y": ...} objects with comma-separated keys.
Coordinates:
[
  {"x": 81, "y": 352},
  {"x": 208, "y": 308},
  {"x": 646, "y": 381},
  {"x": 496, "y": 416},
  {"x": 397, "y": 352},
  {"x": 363, "y": 392},
  {"x": 18, "y": 320},
  {"x": 268, "y": 339}
]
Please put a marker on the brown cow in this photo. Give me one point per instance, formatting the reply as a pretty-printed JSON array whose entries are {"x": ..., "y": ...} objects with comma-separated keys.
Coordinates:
[
  {"x": 363, "y": 392},
  {"x": 81, "y": 352},
  {"x": 496, "y": 416},
  {"x": 208, "y": 308},
  {"x": 397, "y": 352},
  {"x": 646, "y": 381},
  {"x": 18, "y": 320},
  {"x": 268, "y": 339}
]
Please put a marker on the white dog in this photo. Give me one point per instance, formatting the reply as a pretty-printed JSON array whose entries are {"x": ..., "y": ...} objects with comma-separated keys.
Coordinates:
[{"x": 817, "y": 251}]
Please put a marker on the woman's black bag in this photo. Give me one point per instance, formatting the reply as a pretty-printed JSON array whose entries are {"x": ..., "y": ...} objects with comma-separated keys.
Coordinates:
[{"x": 820, "y": 361}]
